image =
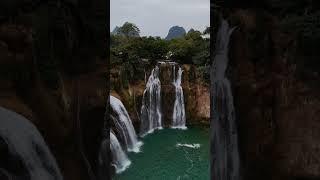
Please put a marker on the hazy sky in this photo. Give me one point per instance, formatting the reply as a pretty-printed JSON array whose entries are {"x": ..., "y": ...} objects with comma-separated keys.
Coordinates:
[{"x": 155, "y": 17}]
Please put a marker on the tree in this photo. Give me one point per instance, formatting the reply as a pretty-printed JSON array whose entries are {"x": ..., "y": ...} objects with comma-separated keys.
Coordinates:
[
  {"x": 182, "y": 49},
  {"x": 194, "y": 35},
  {"x": 127, "y": 50},
  {"x": 207, "y": 30},
  {"x": 129, "y": 30},
  {"x": 191, "y": 30}
]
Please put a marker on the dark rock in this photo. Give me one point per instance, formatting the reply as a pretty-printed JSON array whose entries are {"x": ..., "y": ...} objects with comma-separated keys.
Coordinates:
[
  {"x": 175, "y": 32},
  {"x": 278, "y": 125},
  {"x": 45, "y": 48},
  {"x": 196, "y": 95}
]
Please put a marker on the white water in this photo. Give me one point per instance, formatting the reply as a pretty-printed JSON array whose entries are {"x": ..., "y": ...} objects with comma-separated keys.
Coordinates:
[
  {"x": 178, "y": 117},
  {"x": 225, "y": 154},
  {"x": 174, "y": 74},
  {"x": 119, "y": 158},
  {"x": 151, "y": 117},
  {"x": 26, "y": 143},
  {"x": 124, "y": 125},
  {"x": 194, "y": 146}
]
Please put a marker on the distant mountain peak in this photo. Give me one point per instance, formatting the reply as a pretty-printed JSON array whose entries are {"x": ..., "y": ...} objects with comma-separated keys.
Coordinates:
[
  {"x": 115, "y": 30},
  {"x": 175, "y": 32},
  {"x": 191, "y": 30}
]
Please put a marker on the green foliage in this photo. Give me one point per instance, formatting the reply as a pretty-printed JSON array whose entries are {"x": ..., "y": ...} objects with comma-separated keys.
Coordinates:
[
  {"x": 205, "y": 73},
  {"x": 201, "y": 58},
  {"x": 128, "y": 51},
  {"x": 192, "y": 49},
  {"x": 128, "y": 30},
  {"x": 182, "y": 50}
]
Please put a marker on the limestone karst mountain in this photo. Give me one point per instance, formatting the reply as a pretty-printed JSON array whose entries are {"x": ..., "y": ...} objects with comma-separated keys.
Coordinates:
[{"x": 175, "y": 32}]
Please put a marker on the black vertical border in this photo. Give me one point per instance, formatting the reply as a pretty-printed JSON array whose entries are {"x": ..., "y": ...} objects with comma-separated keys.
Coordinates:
[
  {"x": 211, "y": 85},
  {"x": 107, "y": 114}
]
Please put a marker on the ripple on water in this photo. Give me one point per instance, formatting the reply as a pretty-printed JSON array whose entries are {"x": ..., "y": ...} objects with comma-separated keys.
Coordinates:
[{"x": 171, "y": 154}]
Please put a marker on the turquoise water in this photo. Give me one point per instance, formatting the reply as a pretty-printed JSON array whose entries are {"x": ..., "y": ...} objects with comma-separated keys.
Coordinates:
[{"x": 161, "y": 159}]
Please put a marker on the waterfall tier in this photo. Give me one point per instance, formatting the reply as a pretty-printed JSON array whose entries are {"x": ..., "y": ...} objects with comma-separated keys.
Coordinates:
[
  {"x": 119, "y": 158},
  {"x": 26, "y": 145},
  {"x": 163, "y": 93},
  {"x": 225, "y": 155},
  {"x": 178, "y": 117},
  {"x": 124, "y": 125},
  {"x": 151, "y": 117}
]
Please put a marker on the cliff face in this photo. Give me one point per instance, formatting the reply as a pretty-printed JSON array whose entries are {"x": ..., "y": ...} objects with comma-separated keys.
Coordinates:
[
  {"x": 50, "y": 72},
  {"x": 196, "y": 94},
  {"x": 277, "y": 112},
  {"x": 175, "y": 32}
]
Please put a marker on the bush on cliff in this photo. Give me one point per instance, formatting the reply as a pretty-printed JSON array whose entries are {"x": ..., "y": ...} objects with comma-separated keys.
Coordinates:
[{"x": 128, "y": 52}]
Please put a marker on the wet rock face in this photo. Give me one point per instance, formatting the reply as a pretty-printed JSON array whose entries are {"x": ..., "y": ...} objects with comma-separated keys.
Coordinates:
[
  {"x": 167, "y": 76},
  {"x": 168, "y": 72},
  {"x": 168, "y": 95},
  {"x": 43, "y": 92},
  {"x": 195, "y": 90},
  {"x": 278, "y": 115},
  {"x": 196, "y": 94}
]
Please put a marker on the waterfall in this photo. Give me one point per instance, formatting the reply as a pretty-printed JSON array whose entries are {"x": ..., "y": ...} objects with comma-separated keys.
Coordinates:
[
  {"x": 121, "y": 135},
  {"x": 25, "y": 145},
  {"x": 174, "y": 74},
  {"x": 225, "y": 162},
  {"x": 151, "y": 104},
  {"x": 178, "y": 117},
  {"x": 119, "y": 157},
  {"x": 124, "y": 125}
]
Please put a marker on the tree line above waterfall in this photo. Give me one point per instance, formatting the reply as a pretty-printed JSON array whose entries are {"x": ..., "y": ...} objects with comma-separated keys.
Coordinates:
[{"x": 130, "y": 50}]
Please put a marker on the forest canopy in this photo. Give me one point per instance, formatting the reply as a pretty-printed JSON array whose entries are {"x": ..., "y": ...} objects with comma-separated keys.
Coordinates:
[{"x": 129, "y": 49}]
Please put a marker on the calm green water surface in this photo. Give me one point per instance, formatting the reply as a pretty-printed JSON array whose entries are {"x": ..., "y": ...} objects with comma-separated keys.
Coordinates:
[{"x": 161, "y": 159}]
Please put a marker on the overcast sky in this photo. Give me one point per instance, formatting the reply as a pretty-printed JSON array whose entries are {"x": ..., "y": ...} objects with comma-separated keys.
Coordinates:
[{"x": 155, "y": 17}]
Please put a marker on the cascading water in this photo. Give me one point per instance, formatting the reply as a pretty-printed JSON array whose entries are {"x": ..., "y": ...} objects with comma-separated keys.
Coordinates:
[
  {"x": 225, "y": 162},
  {"x": 121, "y": 136},
  {"x": 124, "y": 125},
  {"x": 119, "y": 158},
  {"x": 26, "y": 145},
  {"x": 151, "y": 104},
  {"x": 178, "y": 117},
  {"x": 174, "y": 74}
]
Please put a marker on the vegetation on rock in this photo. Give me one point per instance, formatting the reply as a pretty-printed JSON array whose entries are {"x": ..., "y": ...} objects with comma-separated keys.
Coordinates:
[{"x": 129, "y": 53}]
